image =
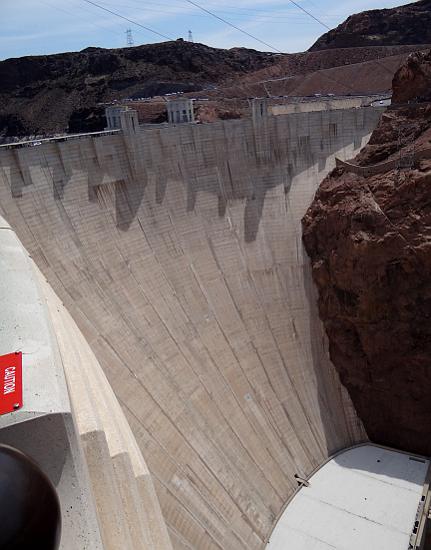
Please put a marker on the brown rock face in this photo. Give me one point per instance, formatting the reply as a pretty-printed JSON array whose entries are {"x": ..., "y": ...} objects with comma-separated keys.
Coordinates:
[
  {"x": 369, "y": 240},
  {"x": 412, "y": 81},
  {"x": 408, "y": 24}
]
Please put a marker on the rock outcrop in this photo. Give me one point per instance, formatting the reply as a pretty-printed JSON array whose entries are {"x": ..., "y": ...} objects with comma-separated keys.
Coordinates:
[
  {"x": 54, "y": 93},
  {"x": 409, "y": 24},
  {"x": 369, "y": 240},
  {"x": 412, "y": 81}
]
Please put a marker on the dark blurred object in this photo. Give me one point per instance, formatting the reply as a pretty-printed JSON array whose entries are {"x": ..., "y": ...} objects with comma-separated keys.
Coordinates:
[{"x": 29, "y": 507}]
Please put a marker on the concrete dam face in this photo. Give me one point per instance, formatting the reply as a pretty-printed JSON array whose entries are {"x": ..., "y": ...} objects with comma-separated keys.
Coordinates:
[{"x": 177, "y": 251}]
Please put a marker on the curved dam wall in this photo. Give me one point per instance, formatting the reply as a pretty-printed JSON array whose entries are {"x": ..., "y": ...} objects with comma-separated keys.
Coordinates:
[{"x": 178, "y": 253}]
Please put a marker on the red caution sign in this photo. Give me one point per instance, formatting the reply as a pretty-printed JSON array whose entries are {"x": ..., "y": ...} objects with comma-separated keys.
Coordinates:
[{"x": 10, "y": 382}]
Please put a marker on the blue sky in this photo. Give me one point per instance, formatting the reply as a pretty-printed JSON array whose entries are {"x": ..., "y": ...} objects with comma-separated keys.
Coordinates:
[{"x": 33, "y": 27}]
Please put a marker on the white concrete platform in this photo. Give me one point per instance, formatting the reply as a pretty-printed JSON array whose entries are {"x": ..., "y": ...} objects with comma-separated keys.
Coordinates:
[{"x": 364, "y": 498}]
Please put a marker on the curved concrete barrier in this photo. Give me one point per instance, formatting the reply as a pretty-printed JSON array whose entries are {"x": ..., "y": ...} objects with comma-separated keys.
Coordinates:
[
  {"x": 106, "y": 492},
  {"x": 380, "y": 168},
  {"x": 43, "y": 428},
  {"x": 127, "y": 507}
]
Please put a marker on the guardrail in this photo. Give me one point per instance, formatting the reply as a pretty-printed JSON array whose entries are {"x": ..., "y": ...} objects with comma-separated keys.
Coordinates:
[
  {"x": 66, "y": 137},
  {"x": 381, "y": 167}
]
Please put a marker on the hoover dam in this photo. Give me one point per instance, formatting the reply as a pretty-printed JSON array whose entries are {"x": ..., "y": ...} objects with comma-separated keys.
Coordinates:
[{"x": 171, "y": 261}]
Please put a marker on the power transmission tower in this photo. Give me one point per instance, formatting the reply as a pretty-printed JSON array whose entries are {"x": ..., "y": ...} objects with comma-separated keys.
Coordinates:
[
  {"x": 190, "y": 36},
  {"x": 129, "y": 37}
]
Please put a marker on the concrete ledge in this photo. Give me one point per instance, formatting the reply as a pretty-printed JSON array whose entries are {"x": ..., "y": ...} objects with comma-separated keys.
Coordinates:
[
  {"x": 44, "y": 427},
  {"x": 129, "y": 517},
  {"x": 380, "y": 168}
]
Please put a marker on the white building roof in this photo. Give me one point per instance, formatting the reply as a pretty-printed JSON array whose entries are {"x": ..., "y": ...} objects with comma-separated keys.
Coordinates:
[{"x": 364, "y": 498}]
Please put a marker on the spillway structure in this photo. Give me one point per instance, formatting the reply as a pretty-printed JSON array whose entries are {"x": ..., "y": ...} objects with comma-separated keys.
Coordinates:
[{"x": 170, "y": 266}]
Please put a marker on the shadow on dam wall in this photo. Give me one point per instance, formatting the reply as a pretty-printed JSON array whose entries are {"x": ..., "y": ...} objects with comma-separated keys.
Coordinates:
[
  {"x": 179, "y": 255},
  {"x": 239, "y": 160}
]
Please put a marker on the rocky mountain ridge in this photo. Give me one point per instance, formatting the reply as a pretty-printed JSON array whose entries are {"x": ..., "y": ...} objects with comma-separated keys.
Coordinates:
[
  {"x": 47, "y": 94},
  {"x": 408, "y": 24},
  {"x": 56, "y": 92}
]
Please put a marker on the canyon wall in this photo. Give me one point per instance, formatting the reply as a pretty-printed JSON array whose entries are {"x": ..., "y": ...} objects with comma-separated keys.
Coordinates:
[{"x": 368, "y": 236}]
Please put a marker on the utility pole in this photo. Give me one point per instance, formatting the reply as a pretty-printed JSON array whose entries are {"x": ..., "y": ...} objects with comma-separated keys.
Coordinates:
[
  {"x": 190, "y": 36},
  {"x": 129, "y": 37}
]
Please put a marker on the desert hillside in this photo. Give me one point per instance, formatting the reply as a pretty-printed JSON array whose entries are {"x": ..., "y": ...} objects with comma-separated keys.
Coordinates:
[{"x": 44, "y": 94}]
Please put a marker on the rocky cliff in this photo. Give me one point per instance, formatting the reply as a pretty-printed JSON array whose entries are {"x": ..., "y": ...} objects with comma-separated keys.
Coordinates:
[
  {"x": 409, "y": 24},
  {"x": 369, "y": 240}
]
